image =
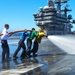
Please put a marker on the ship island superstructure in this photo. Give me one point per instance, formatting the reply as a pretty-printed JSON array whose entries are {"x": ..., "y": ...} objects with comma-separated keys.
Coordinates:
[{"x": 54, "y": 19}]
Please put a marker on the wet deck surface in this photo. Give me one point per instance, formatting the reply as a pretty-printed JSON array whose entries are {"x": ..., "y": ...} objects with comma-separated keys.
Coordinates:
[{"x": 51, "y": 60}]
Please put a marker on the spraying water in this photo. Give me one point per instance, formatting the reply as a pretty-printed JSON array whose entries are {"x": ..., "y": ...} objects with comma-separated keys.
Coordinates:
[{"x": 65, "y": 42}]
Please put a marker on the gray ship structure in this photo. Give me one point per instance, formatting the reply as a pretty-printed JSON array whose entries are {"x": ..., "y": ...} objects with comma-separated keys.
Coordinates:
[{"x": 53, "y": 18}]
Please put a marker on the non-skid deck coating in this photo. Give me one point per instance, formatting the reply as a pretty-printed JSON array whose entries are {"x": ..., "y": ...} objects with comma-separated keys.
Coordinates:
[{"x": 51, "y": 60}]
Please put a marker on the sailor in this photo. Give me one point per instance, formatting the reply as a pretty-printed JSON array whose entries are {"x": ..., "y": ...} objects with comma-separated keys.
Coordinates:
[
  {"x": 21, "y": 44},
  {"x": 5, "y": 48},
  {"x": 33, "y": 34},
  {"x": 41, "y": 34}
]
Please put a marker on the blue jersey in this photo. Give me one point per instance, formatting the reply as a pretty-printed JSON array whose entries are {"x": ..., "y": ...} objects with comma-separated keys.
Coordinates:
[{"x": 24, "y": 35}]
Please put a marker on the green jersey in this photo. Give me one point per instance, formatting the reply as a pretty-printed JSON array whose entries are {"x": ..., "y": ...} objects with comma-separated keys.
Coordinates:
[{"x": 32, "y": 35}]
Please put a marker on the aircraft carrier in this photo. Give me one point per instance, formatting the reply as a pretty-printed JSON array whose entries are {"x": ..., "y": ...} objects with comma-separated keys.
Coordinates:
[{"x": 54, "y": 18}]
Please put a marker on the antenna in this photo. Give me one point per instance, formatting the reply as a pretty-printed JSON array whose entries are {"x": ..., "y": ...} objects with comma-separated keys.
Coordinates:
[{"x": 50, "y": 3}]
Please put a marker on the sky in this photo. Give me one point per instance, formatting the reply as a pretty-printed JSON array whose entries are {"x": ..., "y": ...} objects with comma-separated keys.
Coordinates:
[{"x": 19, "y": 13}]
